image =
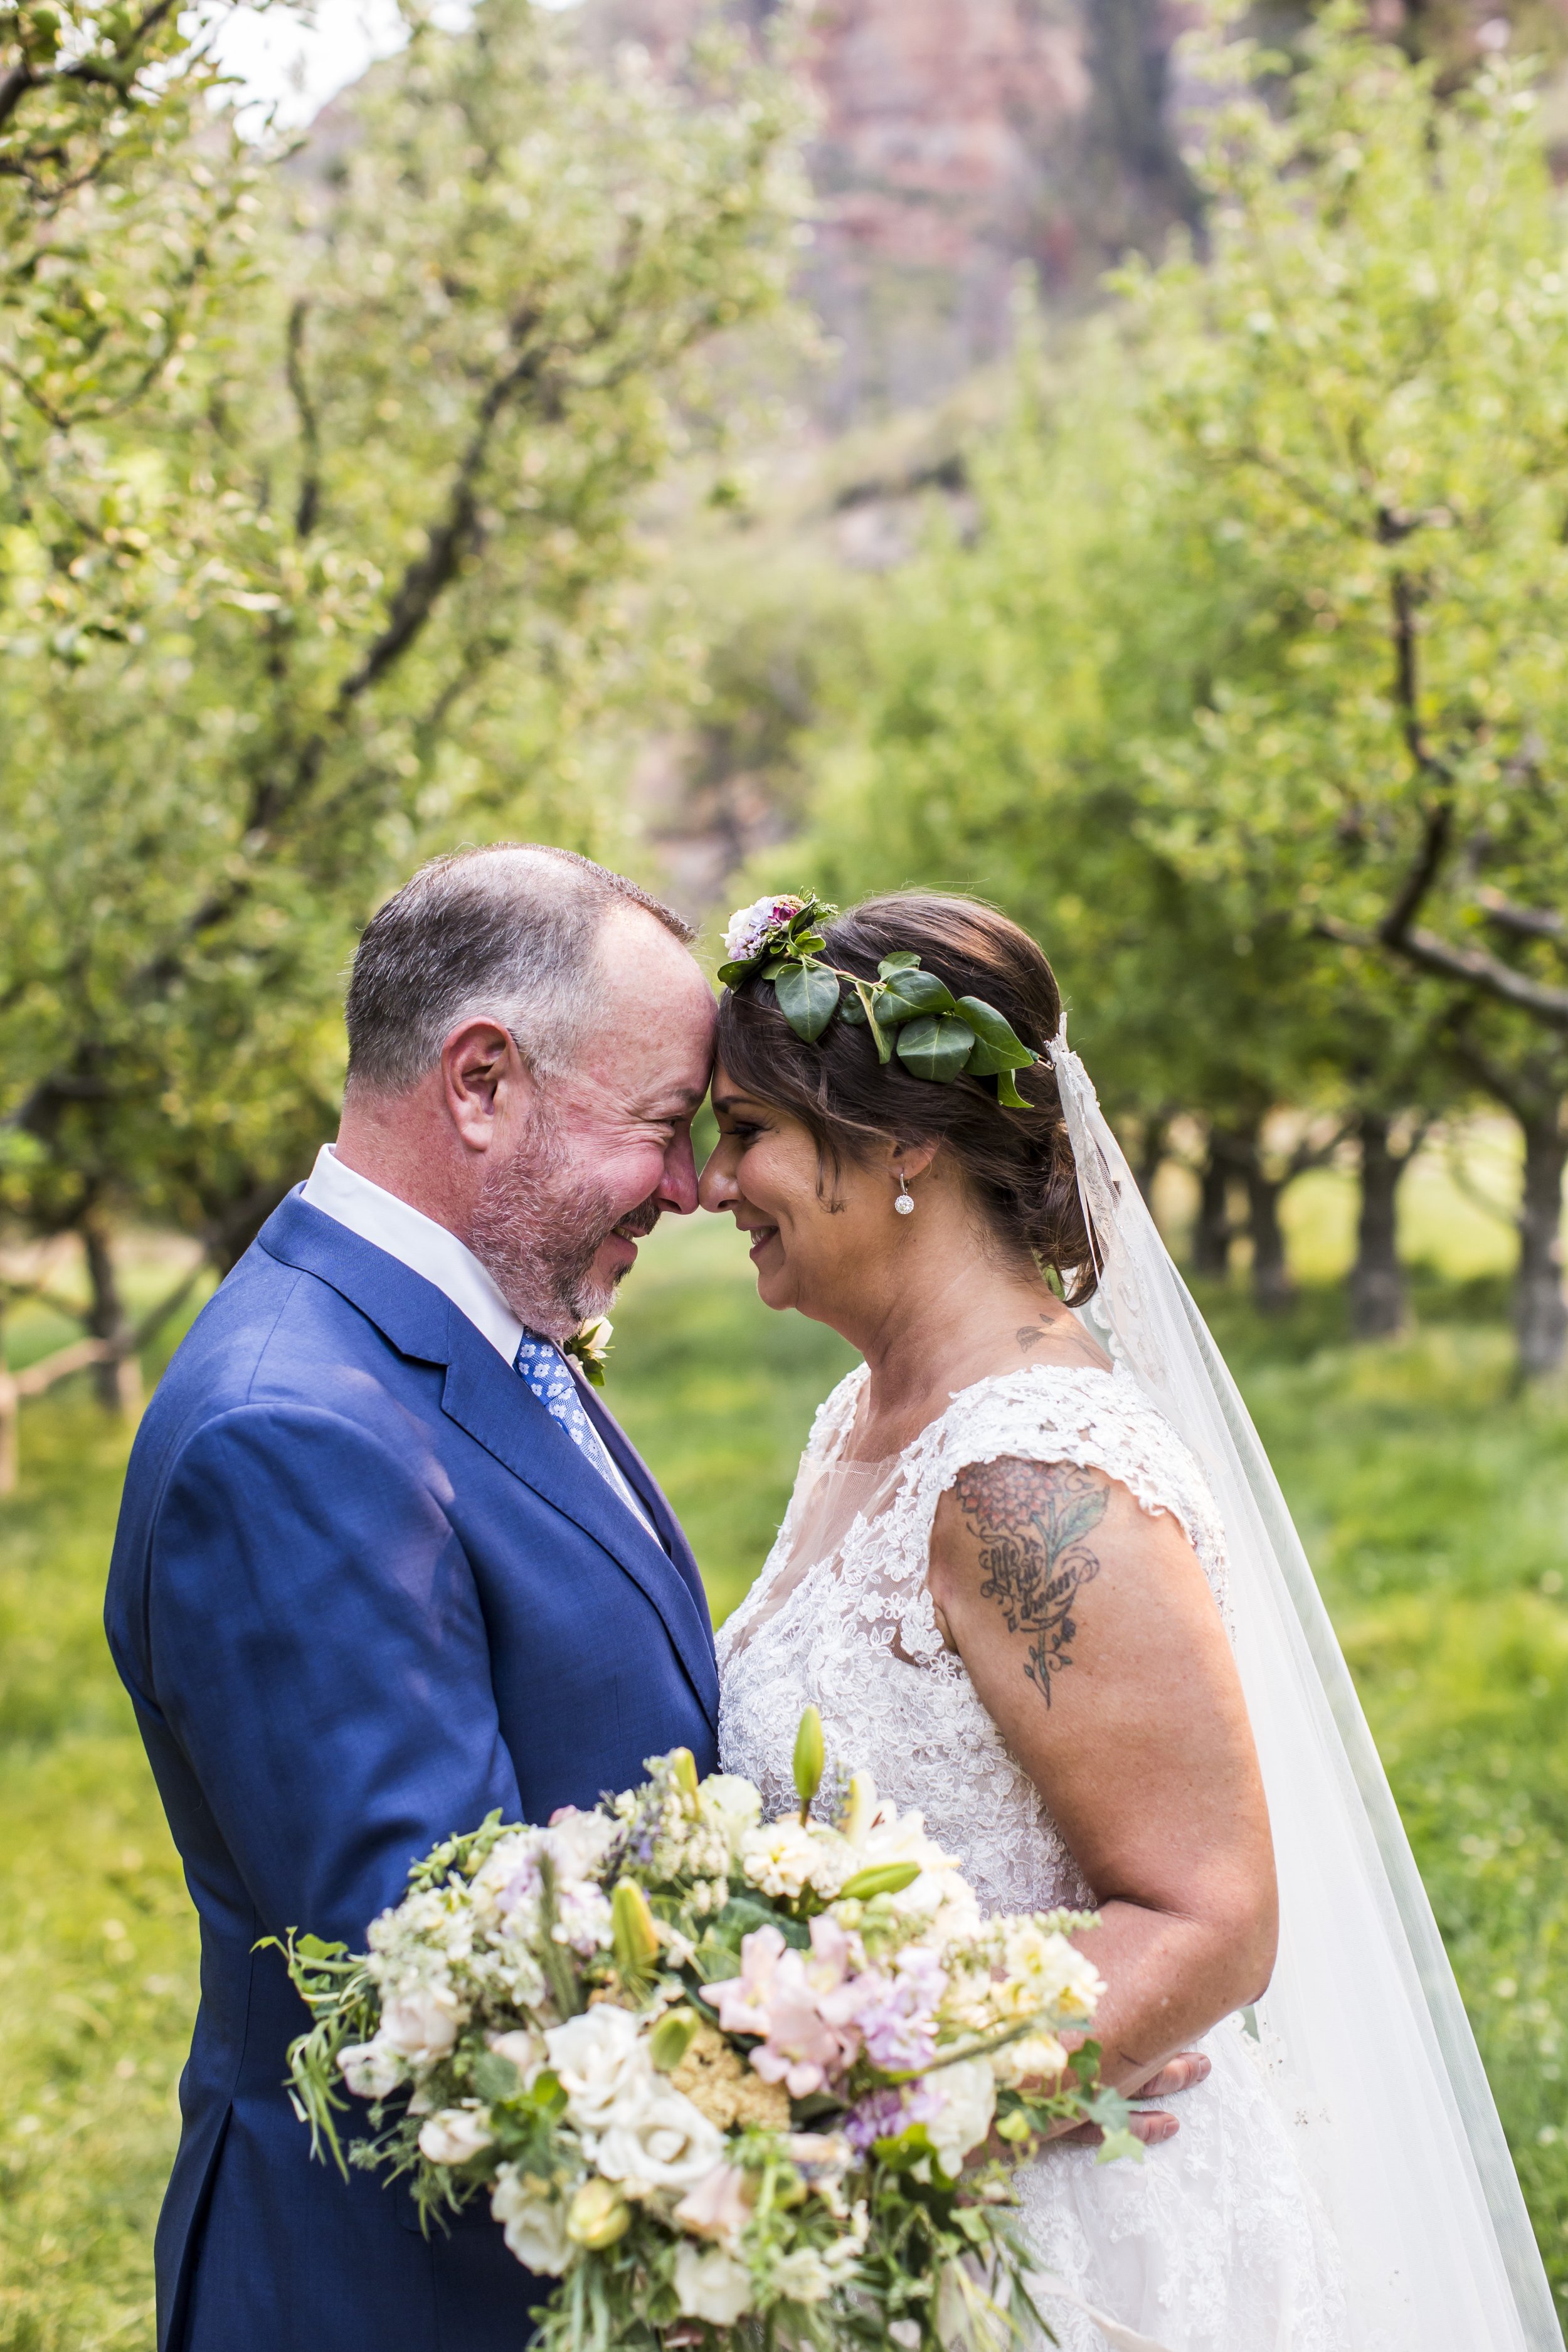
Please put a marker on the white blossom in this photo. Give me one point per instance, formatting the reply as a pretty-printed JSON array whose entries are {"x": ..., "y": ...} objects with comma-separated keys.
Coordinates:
[
  {"x": 372, "y": 2068},
  {"x": 712, "y": 2286},
  {"x": 455, "y": 2134},
  {"x": 599, "y": 2057},
  {"x": 968, "y": 2094},
  {"x": 658, "y": 2141},
  {"x": 534, "y": 2226}
]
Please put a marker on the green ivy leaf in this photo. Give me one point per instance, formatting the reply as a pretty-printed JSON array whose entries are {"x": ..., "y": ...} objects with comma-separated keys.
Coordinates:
[
  {"x": 998, "y": 1045},
  {"x": 732, "y": 975},
  {"x": 935, "y": 1047},
  {"x": 808, "y": 999},
  {"x": 904, "y": 961},
  {"x": 850, "y": 1009},
  {"x": 1007, "y": 1094},
  {"x": 911, "y": 993}
]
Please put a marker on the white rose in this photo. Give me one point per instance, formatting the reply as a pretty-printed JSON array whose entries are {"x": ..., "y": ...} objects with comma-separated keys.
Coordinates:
[
  {"x": 711, "y": 2285},
  {"x": 730, "y": 1805},
  {"x": 658, "y": 2142},
  {"x": 534, "y": 2227},
  {"x": 372, "y": 2068},
  {"x": 600, "y": 2057},
  {"x": 968, "y": 2093},
  {"x": 421, "y": 2026},
  {"x": 455, "y": 2134}
]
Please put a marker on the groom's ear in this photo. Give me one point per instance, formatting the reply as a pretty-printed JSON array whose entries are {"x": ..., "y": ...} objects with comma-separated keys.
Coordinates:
[{"x": 483, "y": 1079}]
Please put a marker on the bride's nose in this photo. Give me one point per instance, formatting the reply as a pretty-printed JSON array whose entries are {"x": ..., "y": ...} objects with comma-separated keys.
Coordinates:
[{"x": 716, "y": 1187}]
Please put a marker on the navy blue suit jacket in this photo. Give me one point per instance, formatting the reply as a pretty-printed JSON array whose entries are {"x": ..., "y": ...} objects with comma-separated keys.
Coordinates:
[{"x": 364, "y": 1588}]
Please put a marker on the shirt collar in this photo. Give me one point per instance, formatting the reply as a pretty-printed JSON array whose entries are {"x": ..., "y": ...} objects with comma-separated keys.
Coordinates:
[{"x": 417, "y": 1241}]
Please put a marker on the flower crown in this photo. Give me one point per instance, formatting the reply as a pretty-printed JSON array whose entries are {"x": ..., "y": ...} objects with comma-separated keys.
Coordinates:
[{"x": 909, "y": 1011}]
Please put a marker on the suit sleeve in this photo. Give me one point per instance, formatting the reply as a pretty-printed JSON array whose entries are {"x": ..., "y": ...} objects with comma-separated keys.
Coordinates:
[{"x": 319, "y": 1652}]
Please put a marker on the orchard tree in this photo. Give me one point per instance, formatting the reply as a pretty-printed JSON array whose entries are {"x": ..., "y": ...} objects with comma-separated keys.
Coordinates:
[
  {"x": 1360, "y": 401},
  {"x": 995, "y": 734},
  {"x": 363, "y": 591}
]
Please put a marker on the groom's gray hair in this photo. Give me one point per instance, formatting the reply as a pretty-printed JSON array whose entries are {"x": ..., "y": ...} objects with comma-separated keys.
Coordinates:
[{"x": 511, "y": 930}]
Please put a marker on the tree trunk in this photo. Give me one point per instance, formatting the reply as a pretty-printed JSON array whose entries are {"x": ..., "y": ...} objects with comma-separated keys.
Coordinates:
[
  {"x": 1211, "y": 1234},
  {"x": 1272, "y": 1288},
  {"x": 1541, "y": 1315},
  {"x": 1377, "y": 1278},
  {"x": 117, "y": 1380}
]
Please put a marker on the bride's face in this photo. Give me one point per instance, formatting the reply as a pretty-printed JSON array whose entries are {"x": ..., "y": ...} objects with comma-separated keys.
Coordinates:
[{"x": 813, "y": 1243}]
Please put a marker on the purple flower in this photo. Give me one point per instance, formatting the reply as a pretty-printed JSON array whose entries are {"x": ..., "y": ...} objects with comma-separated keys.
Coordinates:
[{"x": 883, "y": 2114}]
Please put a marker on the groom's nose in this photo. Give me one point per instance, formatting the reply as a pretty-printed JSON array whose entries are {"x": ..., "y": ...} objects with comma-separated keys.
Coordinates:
[{"x": 677, "y": 1184}]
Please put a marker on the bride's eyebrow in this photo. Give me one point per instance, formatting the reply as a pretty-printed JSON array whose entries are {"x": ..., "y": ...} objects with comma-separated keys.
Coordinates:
[{"x": 725, "y": 1101}]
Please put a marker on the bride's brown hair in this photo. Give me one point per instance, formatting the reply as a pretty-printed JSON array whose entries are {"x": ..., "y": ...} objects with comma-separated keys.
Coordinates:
[{"x": 1017, "y": 1163}]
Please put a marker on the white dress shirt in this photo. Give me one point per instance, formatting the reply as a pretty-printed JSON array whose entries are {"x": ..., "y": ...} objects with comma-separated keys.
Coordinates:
[{"x": 417, "y": 1241}]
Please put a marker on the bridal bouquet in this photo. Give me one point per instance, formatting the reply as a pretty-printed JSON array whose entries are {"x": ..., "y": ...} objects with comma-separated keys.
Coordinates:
[{"x": 726, "y": 2080}]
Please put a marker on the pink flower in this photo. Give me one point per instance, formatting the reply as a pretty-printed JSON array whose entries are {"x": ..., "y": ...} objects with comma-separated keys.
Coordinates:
[
  {"x": 719, "y": 2206},
  {"x": 779, "y": 1996},
  {"x": 744, "y": 2001}
]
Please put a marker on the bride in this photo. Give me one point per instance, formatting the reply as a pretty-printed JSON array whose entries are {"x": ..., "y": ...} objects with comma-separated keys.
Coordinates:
[{"x": 1038, "y": 1581}]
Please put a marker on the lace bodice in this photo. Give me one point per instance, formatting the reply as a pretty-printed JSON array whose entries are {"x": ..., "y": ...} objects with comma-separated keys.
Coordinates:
[{"x": 857, "y": 1637}]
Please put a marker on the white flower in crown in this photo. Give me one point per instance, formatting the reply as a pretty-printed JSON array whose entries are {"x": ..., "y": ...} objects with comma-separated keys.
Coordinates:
[{"x": 749, "y": 926}]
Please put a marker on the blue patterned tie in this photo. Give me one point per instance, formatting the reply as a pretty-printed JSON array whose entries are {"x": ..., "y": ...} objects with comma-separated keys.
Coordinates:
[{"x": 545, "y": 1369}]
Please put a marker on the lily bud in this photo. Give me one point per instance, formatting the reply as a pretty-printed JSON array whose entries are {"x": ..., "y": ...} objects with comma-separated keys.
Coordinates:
[
  {"x": 672, "y": 2037},
  {"x": 683, "y": 1770},
  {"x": 886, "y": 1878},
  {"x": 597, "y": 2215},
  {"x": 632, "y": 1927},
  {"x": 809, "y": 1759}
]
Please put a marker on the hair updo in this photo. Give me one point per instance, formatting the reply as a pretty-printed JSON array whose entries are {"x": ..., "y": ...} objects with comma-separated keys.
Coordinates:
[{"x": 1018, "y": 1164}]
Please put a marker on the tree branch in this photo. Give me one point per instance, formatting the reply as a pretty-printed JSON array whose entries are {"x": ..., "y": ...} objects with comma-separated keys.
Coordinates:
[
  {"x": 308, "y": 505},
  {"x": 1529, "y": 922}
]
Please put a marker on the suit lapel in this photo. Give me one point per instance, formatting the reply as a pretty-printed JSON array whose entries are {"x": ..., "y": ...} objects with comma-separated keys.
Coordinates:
[
  {"x": 484, "y": 1396},
  {"x": 647, "y": 1489}
]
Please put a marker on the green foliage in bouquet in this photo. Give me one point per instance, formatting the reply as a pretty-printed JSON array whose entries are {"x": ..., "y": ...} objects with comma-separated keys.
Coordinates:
[
  {"x": 724, "y": 2080},
  {"x": 909, "y": 1011}
]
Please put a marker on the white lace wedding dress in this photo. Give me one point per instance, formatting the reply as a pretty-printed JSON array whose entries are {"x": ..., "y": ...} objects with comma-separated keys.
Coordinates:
[{"x": 1213, "y": 2243}]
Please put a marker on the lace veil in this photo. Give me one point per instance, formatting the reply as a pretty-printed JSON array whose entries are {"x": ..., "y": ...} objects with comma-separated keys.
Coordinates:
[{"x": 1362, "y": 2030}]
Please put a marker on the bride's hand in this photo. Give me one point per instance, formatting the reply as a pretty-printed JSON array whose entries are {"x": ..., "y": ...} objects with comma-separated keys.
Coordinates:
[{"x": 1149, "y": 2126}]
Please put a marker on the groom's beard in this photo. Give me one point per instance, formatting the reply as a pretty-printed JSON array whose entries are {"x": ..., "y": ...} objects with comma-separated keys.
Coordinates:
[{"x": 538, "y": 1229}]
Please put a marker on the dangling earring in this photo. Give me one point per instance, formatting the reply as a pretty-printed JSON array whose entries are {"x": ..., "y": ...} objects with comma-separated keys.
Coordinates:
[{"x": 904, "y": 1205}]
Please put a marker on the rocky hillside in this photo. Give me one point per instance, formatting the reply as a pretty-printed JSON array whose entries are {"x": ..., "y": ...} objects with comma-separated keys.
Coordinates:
[{"x": 959, "y": 139}]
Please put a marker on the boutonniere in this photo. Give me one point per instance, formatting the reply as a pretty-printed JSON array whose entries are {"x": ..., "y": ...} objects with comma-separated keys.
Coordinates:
[{"x": 590, "y": 1344}]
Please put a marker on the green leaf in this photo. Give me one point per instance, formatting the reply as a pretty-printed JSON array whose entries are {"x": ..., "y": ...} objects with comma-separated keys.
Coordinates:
[
  {"x": 1007, "y": 1093},
  {"x": 911, "y": 993},
  {"x": 1119, "y": 2143},
  {"x": 851, "y": 1008},
  {"x": 902, "y": 962},
  {"x": 808, "y": 999},
  {"x": 311, "y": 1947},
  {"x": 935, "y": 1047},
  {"x": 999, "y": 1046},
  {"x": 495, "y": 2077},
  {"x": 732, "y": 975}
]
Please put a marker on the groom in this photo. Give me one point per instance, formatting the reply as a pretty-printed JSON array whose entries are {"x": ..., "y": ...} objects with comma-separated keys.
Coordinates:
[{"x": 385, "y": 1564}]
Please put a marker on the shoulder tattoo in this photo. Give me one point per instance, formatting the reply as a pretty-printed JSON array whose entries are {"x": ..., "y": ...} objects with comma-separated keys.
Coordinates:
[{"x": 1030, "y": 1520}]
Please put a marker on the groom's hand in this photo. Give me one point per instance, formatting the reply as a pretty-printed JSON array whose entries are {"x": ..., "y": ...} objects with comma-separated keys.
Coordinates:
[{"x": 1150, "y": 2125}]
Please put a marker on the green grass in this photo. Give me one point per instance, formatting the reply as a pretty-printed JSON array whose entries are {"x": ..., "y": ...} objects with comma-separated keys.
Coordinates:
[{"x": 1433, "y": 1500}]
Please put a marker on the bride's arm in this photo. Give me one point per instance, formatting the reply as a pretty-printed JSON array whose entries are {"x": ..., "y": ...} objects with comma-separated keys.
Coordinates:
[{"x": 1092, "y": 1638}]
